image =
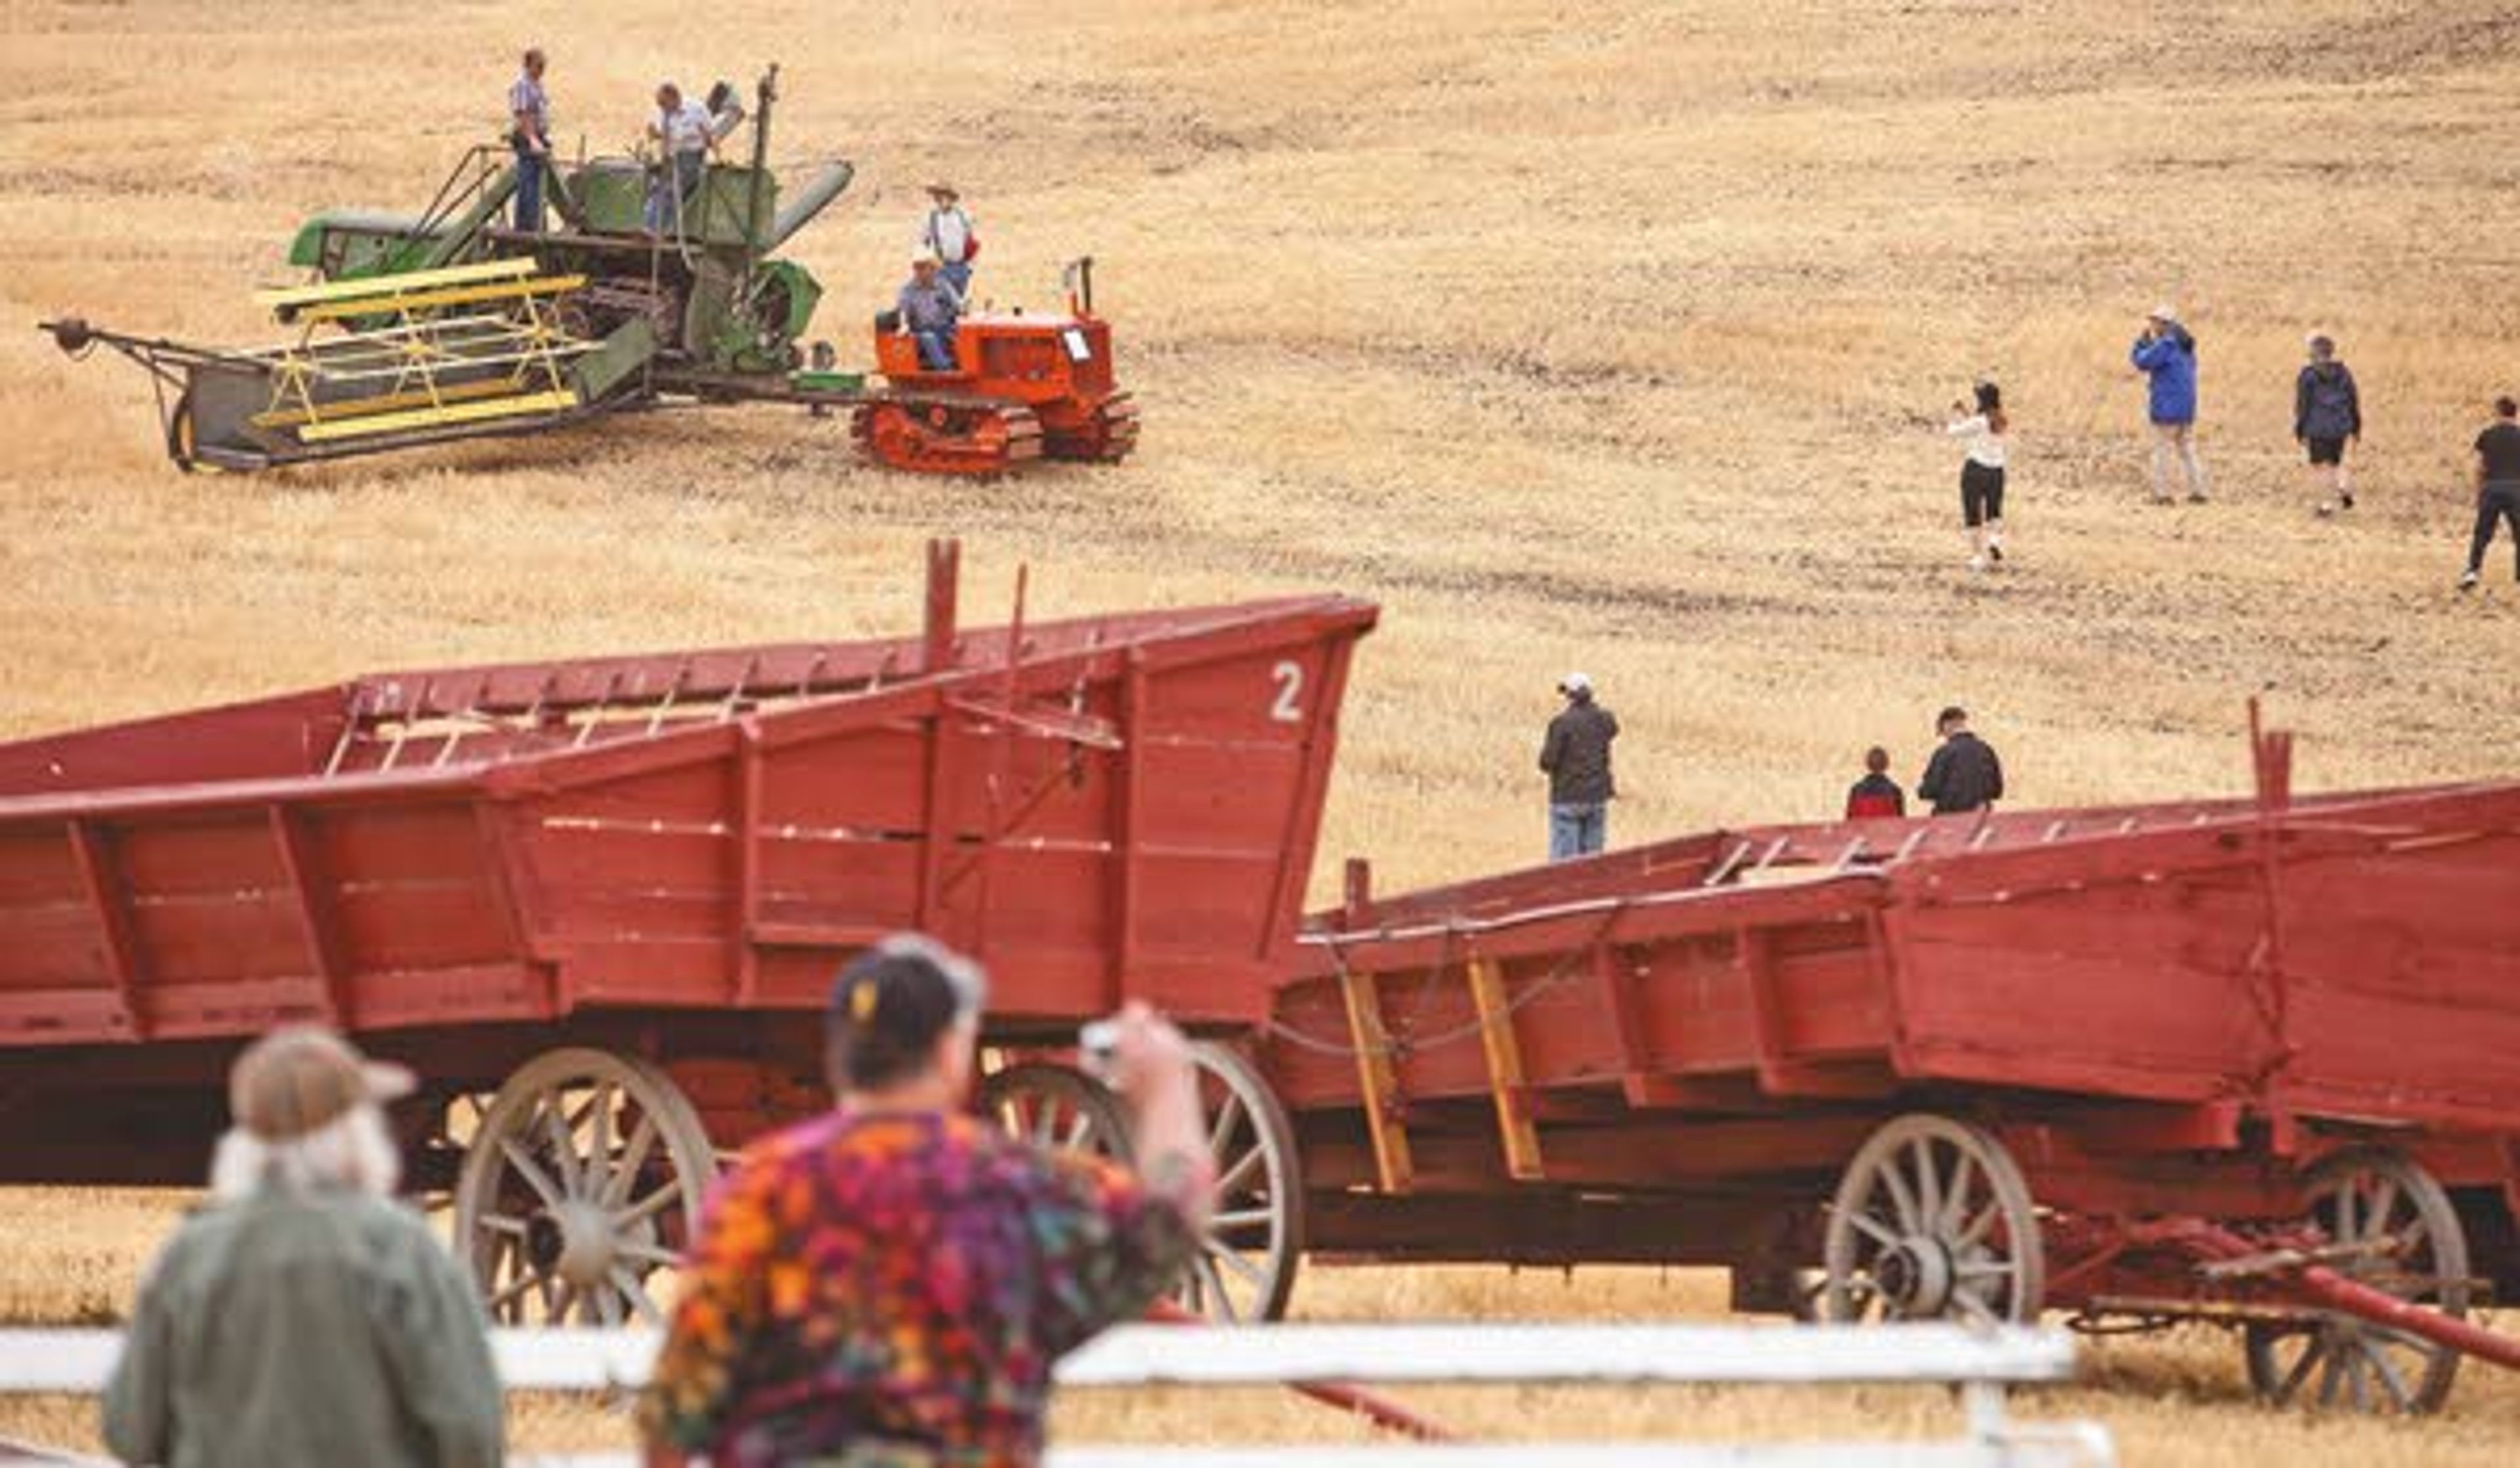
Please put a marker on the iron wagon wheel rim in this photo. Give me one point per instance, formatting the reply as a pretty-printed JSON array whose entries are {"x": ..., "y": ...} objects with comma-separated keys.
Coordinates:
[
  {"x": 1254, "y": 1244},
  {"x": 2328, "y": 1361},
  {"x": 581, "y": 1183},
  {"x": 1933, "y": 1220},
  {"x": 182, "y": 436}
]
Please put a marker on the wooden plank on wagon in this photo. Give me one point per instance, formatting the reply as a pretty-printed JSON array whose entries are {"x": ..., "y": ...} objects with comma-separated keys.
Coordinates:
[
  {"x": 1378, "y": 1078},
  {"x": 1514, "y": 1128}
]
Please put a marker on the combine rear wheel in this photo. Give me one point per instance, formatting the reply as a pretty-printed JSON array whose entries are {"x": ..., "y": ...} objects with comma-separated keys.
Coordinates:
[
  {"x": 2406, "y": 1241},
  {"x": 182, "y": 439},
  {"x": 1107, "y": 436},
  {"x": 1933, "y": 1221},
  {"x": 940, "y": 438},
  {"x": 582, "y": 1181}
]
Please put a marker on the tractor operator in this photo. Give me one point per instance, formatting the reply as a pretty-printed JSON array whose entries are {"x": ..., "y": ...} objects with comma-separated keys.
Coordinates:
[
  {"x": 929, "y": 308},
  {"x": 684, "y": 130},
  {"x": 529, "y": 135}
]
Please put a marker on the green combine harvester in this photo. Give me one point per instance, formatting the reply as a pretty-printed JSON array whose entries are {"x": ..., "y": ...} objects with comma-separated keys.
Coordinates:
[{"x": 448, "y": 325}]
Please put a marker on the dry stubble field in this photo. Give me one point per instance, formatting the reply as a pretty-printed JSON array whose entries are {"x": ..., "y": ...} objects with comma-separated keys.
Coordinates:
[{"x": 1580, "y": 336}]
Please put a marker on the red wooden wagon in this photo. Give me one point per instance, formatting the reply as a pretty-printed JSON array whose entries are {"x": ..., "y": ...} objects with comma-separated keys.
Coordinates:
[
  {"x": 2256, "y": 1062},
  {"x": 591, "y": 903}
]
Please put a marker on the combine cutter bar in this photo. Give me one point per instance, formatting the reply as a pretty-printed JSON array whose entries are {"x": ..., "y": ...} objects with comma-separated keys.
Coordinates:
[{"x": 451, "y": 412}]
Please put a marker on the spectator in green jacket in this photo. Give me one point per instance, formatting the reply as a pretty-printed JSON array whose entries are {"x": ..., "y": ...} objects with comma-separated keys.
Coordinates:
[{"x": 304, "y": 1317}]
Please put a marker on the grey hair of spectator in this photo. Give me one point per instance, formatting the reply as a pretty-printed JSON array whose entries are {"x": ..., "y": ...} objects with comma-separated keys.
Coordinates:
[{"x": 353, "y": 1152}]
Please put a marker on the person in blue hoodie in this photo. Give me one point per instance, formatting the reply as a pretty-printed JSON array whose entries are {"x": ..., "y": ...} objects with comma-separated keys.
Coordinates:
[{"x": 2166, "y": 353}]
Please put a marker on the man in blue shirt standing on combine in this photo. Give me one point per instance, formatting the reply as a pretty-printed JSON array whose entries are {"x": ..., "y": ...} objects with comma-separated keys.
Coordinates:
[{"x": 529, "y": 135}]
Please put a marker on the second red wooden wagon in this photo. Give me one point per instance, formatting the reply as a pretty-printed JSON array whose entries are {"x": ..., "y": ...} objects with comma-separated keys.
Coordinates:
[{"x": 2256, "y": 1062}]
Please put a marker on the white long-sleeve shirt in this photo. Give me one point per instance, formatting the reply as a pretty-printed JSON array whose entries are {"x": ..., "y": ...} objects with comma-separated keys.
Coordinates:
[
  {"x": 947, "y": 233},
  {"x": 1985, "y": 445}
]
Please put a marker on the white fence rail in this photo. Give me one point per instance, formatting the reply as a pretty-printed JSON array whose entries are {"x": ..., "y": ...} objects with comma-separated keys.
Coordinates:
[{"x": 1982, "y": 1364}]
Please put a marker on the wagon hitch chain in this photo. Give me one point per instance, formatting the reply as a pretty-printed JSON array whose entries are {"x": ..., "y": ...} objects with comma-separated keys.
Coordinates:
[{"x": 1348, "y": 1397}]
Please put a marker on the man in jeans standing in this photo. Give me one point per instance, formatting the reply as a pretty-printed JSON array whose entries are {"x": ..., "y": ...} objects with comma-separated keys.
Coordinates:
[
  {"x": 2497, "y": 487},
  {"x": 529, "y": 135},
  {"x": 1576, "y": 755}
]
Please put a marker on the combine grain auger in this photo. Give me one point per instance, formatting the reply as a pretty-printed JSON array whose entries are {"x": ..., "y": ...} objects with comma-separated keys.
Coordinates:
[{"x": 445, "y": 325}]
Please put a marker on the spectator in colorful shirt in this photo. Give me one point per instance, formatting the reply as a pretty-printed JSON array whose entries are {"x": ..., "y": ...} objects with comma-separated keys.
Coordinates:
[{"x": 891, "y": 1282}]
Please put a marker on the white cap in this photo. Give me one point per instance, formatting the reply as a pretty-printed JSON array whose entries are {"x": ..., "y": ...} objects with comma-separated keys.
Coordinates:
[
  {"x": 2165, "y": 312},
  {"x": 1574, "y": 683}
]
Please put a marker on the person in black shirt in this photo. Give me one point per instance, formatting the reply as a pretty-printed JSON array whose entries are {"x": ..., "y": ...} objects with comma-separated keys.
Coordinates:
[
  {"x": 1963, "y": 775},
  {"x": 1576, "y": 755},
  {"x": 2497, "y": 488}
]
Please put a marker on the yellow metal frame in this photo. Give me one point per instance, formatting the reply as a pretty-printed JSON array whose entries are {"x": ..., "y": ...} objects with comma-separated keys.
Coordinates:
[
  {"x": 428, "y": 418},
  {"x": 283, "y": 298}
]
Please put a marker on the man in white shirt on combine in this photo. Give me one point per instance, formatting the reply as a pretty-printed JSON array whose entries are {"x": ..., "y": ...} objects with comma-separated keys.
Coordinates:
[{"x": 682, "y": 129}]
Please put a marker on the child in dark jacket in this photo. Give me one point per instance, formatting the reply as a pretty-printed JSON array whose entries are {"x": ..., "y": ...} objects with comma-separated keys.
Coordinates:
[
  {"x": 1876, "y": 794},
  {"x": 2327, "y": 416}
]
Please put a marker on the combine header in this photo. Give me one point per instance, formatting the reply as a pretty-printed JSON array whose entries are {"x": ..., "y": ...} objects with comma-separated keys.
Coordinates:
[{"x": 445, "y": 325}]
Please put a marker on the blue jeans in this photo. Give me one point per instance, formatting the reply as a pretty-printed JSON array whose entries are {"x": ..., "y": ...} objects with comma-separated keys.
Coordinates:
[
  {"x": 529, "y": 190},
  {"x": 935, "y": 350},
  {"x": 678, "y": 178},
  {"x": 1577, "y": 831},
  {"x": 957, "y": 274}
]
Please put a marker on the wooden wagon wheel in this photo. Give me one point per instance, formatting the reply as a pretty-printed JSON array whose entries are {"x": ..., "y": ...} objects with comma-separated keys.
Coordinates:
[
  {"x": 1247, "y": 1263},
  {"x": 1255, "y": 1239},
  {"x": 2413, "y": 1247},
  {"x": 582, "y": 1180},
  {"x": 1933, "y": 1221}
]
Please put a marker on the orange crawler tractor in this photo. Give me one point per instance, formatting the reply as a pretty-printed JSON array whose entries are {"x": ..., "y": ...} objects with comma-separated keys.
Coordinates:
[{"x": 1023, "y": 387}]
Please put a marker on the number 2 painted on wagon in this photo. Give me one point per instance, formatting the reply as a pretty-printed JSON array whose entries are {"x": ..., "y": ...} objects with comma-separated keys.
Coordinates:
[{"x": 1289, "y": 676}]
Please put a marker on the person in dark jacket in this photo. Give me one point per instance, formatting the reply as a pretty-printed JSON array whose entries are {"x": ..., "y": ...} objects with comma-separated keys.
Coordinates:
[
  {"x": 2166, "y": 353},
  {"x": 1576, "y": 755},
  {"x": 2497, "y": 487},
  {"x": 1876, "y": 794},
  {"x": 2327, "y": 416},
  {"x": 1963, "y": 775}
]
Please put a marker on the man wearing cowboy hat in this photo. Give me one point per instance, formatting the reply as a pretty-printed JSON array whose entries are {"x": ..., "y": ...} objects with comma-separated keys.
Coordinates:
[
  {"x": 948, "y": 234},
  {"x": 926, "y": 310},
  {"x": 303, "y": 1316}
]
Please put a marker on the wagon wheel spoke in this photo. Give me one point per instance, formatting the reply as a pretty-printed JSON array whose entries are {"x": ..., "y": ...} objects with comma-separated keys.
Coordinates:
[
  {"x": 1251, "y": 1274},
  {"x": 1955, "y": 1203},
  {"x": 1227, "y": 1117},
  {"x": 1206, "y": 1269},
  {"x": 1976, "y": 1310},
  {"x": 1929, "y": 1183},
  {"x": 655, "y": 1256},
  {"x": 500, "y": 1222},
  {"x": 531, "y": 1172},
  {"x": 1233, "y": 1177},
  {"x": 1240, "y": 1218},
  {"x": 634, "y": 1156},
  {"x": 1875, "y": 1229},
  {"x": 2312, "y": 1350},
  {"x": 2391, "y": 1380},
  {"x": 1979, "y": 1226},
  {"x": 1079, "y": 1128},
  {"x": 513, "y": 1293},
  {"x": 1903, "y": 1201},
  {"x": 598, "y": 1182},
  {"x": 564, "y": 1150},
  {"x": 628, "y": 1286},
  {"x": 648, "y": 1206},
  {"x": 1985, "y": 1268}
]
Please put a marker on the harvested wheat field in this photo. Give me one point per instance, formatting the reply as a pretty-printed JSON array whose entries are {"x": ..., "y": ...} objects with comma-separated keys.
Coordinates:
[{"x": 1611, "y": 336}]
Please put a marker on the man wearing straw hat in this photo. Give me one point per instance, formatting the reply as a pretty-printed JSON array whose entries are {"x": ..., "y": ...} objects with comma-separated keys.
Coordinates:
[
  {"x": 304, "y": 1318},
  {"x": 948, "y": 234}
]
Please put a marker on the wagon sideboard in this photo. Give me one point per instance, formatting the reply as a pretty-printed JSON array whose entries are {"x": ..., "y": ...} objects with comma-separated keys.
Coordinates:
[{"x": 465, "y": 864}]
